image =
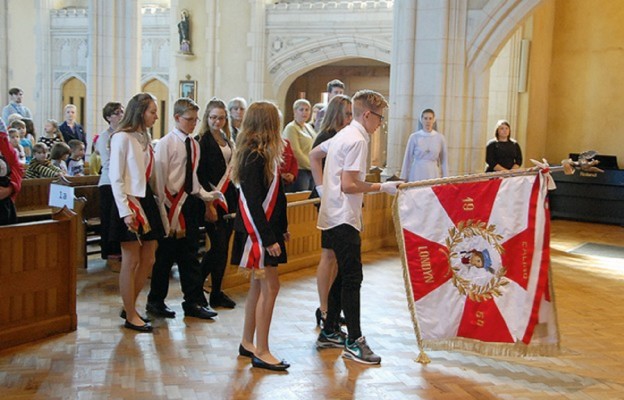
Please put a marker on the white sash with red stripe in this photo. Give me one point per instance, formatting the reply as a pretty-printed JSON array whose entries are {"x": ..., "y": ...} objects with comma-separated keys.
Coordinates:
[
  {"x": 253, "y": 253},
  {"x": 134, "y": 203},
  {"x": 222, "y": 187},
  {"x": 177, "y": 224}
]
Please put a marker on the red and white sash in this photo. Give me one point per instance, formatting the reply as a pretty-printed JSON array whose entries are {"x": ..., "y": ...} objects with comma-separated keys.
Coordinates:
[
  {"x": 222, "y": 187},
  {"x": 253, "y": 253},
  {"x": 177, "y": 224},
  {"x": 134, "y": 203}
]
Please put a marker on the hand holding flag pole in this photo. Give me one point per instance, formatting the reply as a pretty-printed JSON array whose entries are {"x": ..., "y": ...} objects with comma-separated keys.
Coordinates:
[{"x": 585, "y": 163}]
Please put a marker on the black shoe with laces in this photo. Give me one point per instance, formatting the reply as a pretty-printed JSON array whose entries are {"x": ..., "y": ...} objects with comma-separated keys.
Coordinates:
[
  {"x": 160, "y": 310},
  {"x": 221, "y": 300},
  {"x": 198, "y": 311}
]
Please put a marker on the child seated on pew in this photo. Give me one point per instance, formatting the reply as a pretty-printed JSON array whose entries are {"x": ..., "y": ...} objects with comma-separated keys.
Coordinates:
[
  {"x": 59, "y": 154},
  {"x": 75, "y": 165},
  {"x": 14, "y": 139},
  {"x": 25, "y": 140},
  {"x": 40, "y": 166}
]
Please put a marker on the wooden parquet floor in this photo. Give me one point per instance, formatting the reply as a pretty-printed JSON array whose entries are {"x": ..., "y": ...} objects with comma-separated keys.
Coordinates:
[{"x": 192, "y": 359}]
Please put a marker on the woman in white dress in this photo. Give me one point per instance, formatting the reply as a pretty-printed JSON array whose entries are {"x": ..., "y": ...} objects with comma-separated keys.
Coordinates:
[{"x": 426, "y": 152}]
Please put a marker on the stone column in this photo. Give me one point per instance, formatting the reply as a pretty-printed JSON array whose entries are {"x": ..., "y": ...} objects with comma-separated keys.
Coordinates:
[
  {"x": 4, "y": 54},
  {"x": 44, "y": 94},
  {"x": 211, "y": 56},
  {"x": 256, "y": 41},
  {"x": 114, "y": 62},
  {"x": 401, "y": 83},
  {"x": 429, "y": 71}
]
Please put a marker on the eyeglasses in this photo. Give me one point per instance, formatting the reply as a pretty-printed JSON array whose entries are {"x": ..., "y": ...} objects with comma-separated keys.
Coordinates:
[
  {"x": 189, "y": 119},
  {"x": 381, "y": 117},
  {"x": 217, "y": 118}
]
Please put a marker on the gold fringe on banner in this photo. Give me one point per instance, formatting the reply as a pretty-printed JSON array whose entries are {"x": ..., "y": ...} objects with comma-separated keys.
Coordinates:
[
  {"x": 253, "y": 273},
  {"x": 422, "y": 356}
]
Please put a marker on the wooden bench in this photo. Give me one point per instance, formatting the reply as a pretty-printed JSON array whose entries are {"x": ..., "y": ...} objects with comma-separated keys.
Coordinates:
[
  {"x": 38, "y": 279},
  {"x": 32, "y": 205},
  {"x": 304, "y": 247}
]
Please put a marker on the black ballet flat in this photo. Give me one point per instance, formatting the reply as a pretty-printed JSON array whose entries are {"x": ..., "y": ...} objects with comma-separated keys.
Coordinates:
[
  {"x": 142, "y": 328},
  {"x": 244, "y": 352},
  {"x": 258, "y": 363},
  {"x": 123, "y": 315}
]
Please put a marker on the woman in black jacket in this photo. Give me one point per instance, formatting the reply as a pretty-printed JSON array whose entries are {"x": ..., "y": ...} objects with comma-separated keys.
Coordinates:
[
  {"x": 502, "y": 153},
  {"x": 214, "y": 174}
]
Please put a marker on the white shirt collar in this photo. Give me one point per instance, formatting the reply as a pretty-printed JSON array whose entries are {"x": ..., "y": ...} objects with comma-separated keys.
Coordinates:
[
  {"x": 181, "y": 135},
  {"x": 361, "y": 129}
]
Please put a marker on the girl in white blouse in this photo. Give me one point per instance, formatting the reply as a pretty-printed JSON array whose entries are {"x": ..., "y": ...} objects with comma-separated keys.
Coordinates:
[{"x": 138, "y": 222}]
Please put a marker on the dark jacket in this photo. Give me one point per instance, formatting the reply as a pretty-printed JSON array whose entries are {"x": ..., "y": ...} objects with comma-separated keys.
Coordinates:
[
  {"x": 77, "y": 133},
  {"x": 212, "y": 167},
  {"x": 255, "y": 189}
]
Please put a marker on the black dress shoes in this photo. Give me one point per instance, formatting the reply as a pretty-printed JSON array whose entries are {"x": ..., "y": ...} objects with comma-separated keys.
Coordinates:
[
  {"x": 221, "y": 300},
  {"x": 160, "y": 310},
  {"x": 139, "y": 328},
  {"x": 280, "y": 366},
  {"x": 122, "y": 315},
  {"x": 199, "y": 311},
  {"x": 244, "y": 352}
]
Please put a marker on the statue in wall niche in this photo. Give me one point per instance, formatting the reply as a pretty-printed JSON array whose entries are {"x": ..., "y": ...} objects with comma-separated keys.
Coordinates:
[{"x": 184, "y": 32}]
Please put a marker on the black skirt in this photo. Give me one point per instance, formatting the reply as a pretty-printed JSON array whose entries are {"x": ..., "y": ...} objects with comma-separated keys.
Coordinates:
[
  {"x": 119, "y": 230},
  {"x": 238, "y": 247}
]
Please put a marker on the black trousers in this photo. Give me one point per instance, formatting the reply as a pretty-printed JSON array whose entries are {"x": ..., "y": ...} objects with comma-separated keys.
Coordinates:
[
  {"x": 182, "y": 251},
  {"x": 108, "y": 248},
  {"x": 8, "y": 215},
  {"x": 344, "y": 294},
  {"x": 215, "y": 260}
]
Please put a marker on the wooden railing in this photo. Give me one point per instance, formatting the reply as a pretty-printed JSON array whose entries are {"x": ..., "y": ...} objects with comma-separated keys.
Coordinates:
[
  {"x": 304, "y": 247},
  {"x": 38, "y": 279}
]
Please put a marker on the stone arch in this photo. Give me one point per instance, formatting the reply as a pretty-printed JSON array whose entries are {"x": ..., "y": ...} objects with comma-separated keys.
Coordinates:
[
  {"x": 159, "y": 88},
  {"x": 153, "y": 76},
  {"x": 57, "y": 91},
  {"x": 503, "y": 18},
  {"x": 286, "y": 67}
]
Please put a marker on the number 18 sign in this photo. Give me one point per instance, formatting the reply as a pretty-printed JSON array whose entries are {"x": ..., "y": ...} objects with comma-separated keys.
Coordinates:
[{"x": 61, "y": 195}]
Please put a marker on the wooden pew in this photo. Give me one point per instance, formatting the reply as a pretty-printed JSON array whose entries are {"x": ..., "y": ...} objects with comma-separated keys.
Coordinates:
[
  {"x": 304, "y": 247},
  {"x": 38, "y": 279},
  {"x": 32, "y": 205}
]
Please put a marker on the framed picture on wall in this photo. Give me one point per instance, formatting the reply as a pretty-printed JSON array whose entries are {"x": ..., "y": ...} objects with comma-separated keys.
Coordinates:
[{"x": 188, "y": 89}]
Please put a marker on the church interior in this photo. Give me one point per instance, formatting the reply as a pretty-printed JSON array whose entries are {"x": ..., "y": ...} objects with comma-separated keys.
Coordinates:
[{"x": 552, "y": 68}]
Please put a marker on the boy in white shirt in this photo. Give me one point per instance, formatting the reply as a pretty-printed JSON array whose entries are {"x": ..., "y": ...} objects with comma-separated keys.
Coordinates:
[
  {"x": 341, "y": 187},
  {"x": 176, "y": 161}
]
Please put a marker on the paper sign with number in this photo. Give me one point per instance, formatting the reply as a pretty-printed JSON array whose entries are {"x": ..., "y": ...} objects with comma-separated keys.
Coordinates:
[{"x": 61, "y": 195}]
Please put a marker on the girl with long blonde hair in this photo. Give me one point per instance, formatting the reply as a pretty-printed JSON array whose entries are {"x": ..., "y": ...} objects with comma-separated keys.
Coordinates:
[{"x": 261, "y": 226}]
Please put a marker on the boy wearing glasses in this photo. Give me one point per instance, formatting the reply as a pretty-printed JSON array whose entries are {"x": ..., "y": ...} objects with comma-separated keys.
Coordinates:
[
  {"x": 341, "y": 186},
  {"x": 177, "y": 186}
]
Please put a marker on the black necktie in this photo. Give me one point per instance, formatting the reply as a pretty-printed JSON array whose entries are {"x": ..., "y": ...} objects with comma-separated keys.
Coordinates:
[{"x": 188, "y": 176}]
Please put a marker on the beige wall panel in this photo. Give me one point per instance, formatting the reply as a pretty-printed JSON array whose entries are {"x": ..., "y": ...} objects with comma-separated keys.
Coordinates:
[{"x": 586, "y": 82}]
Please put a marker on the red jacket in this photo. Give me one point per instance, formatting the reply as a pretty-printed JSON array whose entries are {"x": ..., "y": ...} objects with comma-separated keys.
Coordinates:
[
  {"x": 9, "y": 154},
  {"x": 290, "y": 162}
]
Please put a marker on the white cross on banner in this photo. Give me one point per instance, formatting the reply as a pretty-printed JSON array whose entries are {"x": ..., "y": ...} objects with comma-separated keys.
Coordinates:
[{"x": 476, "y": 261}]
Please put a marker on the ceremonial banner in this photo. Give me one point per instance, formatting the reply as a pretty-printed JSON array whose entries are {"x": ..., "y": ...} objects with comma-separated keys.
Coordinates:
[{"x": 476, "y": 263}]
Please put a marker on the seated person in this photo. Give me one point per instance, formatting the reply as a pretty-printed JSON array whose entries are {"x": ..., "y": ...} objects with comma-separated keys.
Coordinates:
[
  {"x": 59, "y": 154},
  {"x": 75, "y": 164},
  {"x": 14, "y": 139},
  {"x": 40, "y": 166}
]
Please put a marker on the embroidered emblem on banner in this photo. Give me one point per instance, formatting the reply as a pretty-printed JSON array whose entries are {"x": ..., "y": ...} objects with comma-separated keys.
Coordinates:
[{"x": 475, "y": 260}]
